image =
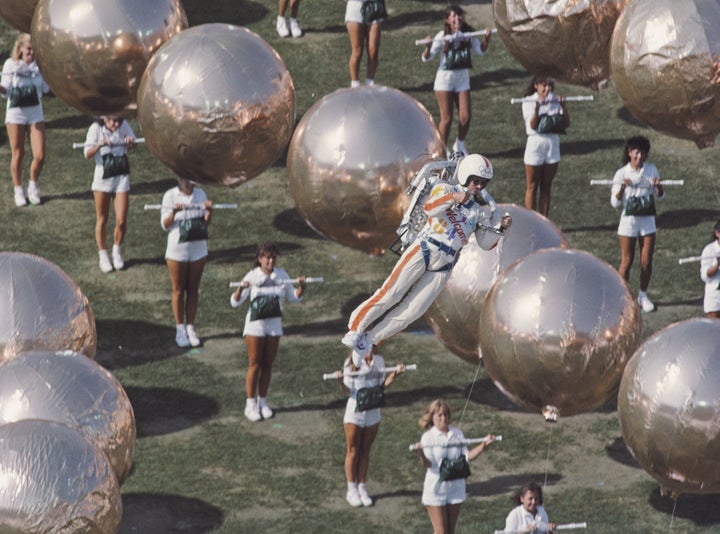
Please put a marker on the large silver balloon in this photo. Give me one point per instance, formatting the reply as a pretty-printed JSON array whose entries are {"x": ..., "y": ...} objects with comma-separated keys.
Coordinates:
[
  {"x": 216, "y": 104},
  {"x": 42, "y": 308},
  {"x": 18, "y": 13},
  {"x": 69, "y": 388},
  {"x": 351, "y": 159},
  {"x": 668, "y": 406},
  {"x": 556, "y": 330},
  {"x": 664, "y": 62},
  {"x": 53, "y": 480},
  {"x": 568, "y": 40},
  {"x": 454, "y": 314},
  {"x": 92, "y": 53}
]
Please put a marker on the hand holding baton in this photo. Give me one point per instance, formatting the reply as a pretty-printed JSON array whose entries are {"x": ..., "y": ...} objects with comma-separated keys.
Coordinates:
[
  {"x": 588, "y": 98},
  {"x": 83, "y": 145},
  {"x": 697, "y": 258},
  {"x": 546, "y": 528},
  {"x": 330, "y": 376},
  {"x": 662, "y": 182},
  {"x": 308, "y": 280},
  {"x": 451, "y": 37},
  {"x": 193, "y": 206},
  {"x": 458, "y": 443}
]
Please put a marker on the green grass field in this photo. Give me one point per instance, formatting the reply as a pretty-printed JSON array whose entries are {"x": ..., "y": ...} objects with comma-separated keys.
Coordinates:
[{"x": 200, "y": 466}]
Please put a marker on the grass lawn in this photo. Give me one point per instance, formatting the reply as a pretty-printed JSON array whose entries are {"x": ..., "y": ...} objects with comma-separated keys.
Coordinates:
[{"x": 200, "y": 466}]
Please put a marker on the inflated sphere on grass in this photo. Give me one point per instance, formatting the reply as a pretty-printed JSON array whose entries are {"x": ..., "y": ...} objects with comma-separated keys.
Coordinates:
[
  {"x": 668, "y": 406},
  {"x": 93, "y": 53},
  {"x": 351, "y": 158},
  {"x": 18, "y": 13},
  {"x": 69, "y": 388},
  {"x": 556, "y": 330},
  {"x": 54, "y": 480},
  {"x": 568, "y": 40},
  {"x": 665, "y": 66},
  {"x": 454, "y": 314},
  {"x": 217, "y": 105},
  {"x": 42, "y": 308}
]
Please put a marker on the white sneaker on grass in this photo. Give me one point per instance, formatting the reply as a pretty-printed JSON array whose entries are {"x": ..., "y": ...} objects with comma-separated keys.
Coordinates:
[
  {"x": 265, "y": 410},
  {"x": 192, "y": 336},
  {"x": 33, "y": 193},
  {"x": 645, "y": 303},
  {"x": 117, "y": 259},
  {"x": 105, "y": 265},
  {"x": 20, "y": 197},
  {"x": 365, "y": 499},
  {"x": 295, "y": 28},
  {"x": 181, "y": 337},
  {"x": 353, "y": 498},
  {"x": 282, "y": 28},
  {"x": 251, "y": 411}
]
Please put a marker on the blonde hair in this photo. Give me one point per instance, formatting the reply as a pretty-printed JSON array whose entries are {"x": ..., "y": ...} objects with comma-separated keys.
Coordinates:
[
  {"x": 22, "y": 40},
  {"x": 436, "y": 406}
]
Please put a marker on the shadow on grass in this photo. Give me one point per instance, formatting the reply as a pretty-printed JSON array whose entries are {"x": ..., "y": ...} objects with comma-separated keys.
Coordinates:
[
  {"x": 506, "y": 484},
  {"x": 686, "y": 218},
  {"x": 703, "y": 510},
  {"x": 160, "y": 411},
  {"x": 619, "y": 452},
  {"x": 127, "y": 343},
  {"x": 150, "y": 513},
  {"x": 290, "y": 222},
  {"x": 204, "y": 12}
]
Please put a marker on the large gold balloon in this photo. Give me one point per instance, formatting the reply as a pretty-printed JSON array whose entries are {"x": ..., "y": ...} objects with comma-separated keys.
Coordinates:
[
  {"x": 454, "y": 314},
  {"x": 666, "y": 67},
  {"x": 18, "y": 13},
  {"x": 668, "y": 406},
  {"x": 69, "y": 388},
  {"x": 568, "y": 40},
  {"x": 216, "y": 104},
  {"x": 42, "y": 308},
  {"x": 351, "y": 159},
  {"x": 54, "y": 480},
  {"x": 92, "y": 53},
  {"x": 556, "y": 330}
]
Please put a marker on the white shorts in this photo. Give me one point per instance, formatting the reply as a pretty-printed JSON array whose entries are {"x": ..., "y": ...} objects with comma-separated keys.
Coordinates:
[
  {"x": 25, "y": 116},
  {"x": 361, "y": 419},
  {"x": 187, "y": 252},
  {"x": 455, "y": 81},
  {"x": 116, "y": 184},
  {"x": 436, "y": 493},
  {"x": 353, "y": 12},
  {"x": 541, "y": 149},
  {"x": 263, "y": 327},
  {"x": 636, "y": 226}
]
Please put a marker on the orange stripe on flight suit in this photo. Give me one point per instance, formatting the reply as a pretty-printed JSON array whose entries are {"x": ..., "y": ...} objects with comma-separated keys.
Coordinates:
[
  {"x": 442, "y": 200},
  {"x": 385, "y": 287}
]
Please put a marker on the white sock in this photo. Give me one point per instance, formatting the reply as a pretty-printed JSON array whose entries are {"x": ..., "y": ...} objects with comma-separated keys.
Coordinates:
[
  {"x": 19, "y": 190},
  {"x": 369, "y": 81},
  {"x": 354, "y": 83},
  {"x": 251, "y": 403},
  {"x": 642, "y": 294},
  {"x": 262, "y": 401},
  {"x": 190, "y": 328},
  {"x": 352, "y": 486},
  {"x": 362, "y": 488},
  {"x": 32, "y": 185},
  {"x": 280, "y": 18},
  {"x": 293, "y": 20},
  {"x": 178, "y": 327},
  {"x": 103, "y": 253},
  {"x": 116, "y": 248}
]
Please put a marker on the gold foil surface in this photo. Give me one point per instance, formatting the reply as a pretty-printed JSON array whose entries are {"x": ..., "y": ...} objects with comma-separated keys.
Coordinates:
[
  {"x": 668, "y": 406},
  {"x": 217, "y": 105},
  {"x": 93, "y": 53},
  {"x": 568, "y": 40},
  {"x": 454, "y": 314},
  {"x": 42, "y": 308},
  {"x": 665, "y": 63},
  {"x": 71, "y": 389},
  {"x": 55, "y": 481},
  {"x": 351, "y": 158},
  {"x": 556, "y": 330},
  {"x": 18, "y": 13}
]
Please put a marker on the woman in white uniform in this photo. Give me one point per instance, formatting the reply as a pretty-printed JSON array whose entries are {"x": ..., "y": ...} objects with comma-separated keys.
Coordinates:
[
  {"x": 452, "y": 81},
  {"x": 107, "y": 141},
  {"x": 443, "y": 498},
  {"x": 361, "y": 424},
  {"x": 363, "y": 20},
  {"x": 263, "y": 324},
  {"x": 545, "y": 117},
  {"x": 710, "y": 275},
  {"x": 23, "y": 86},
  {"x": 185, "y": 215}
]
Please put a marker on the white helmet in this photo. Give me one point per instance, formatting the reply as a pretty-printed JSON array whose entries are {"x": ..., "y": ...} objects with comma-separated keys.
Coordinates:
[{"x": 474, "y": 165}]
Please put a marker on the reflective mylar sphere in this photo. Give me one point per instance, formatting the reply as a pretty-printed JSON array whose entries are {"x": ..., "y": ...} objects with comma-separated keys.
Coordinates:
[
  {"x": 54, "y": 480},
  {"x": 92, "y": 54},
  {"x": 69, "y": 388},
  {"x": 664, "y": 63},
  {"x": 568, "y": 40},
  {"x": 18, "y": 13},
  {"x": 217, "y": 105},
  {"x": 454, "y": 314},
  {"x": 668, "y": 406},
  {"x": 556, "y": 331},
  {"x": 351, "y": 159},
  {"x": 42, "y": 308}
]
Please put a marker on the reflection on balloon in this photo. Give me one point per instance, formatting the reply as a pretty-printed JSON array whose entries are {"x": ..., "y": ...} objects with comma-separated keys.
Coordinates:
[
  {"x": 54, "y": 480},
  {"x": 664, "y": 62},
  {"x": 351, "y": 159},
  {"x": 454, "y": 314},
  {"x": 668, "y": 406},
  {"x": 568, "y": 40},
  {"x": 556, "y": 331},
  {"x": 92, "y": 54},
  {"x": 217, "y": 105},
  {"x": 42, "y": 308},
  {"x": 69, "y": 388},
  {"x": 18, "y": 13}
]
